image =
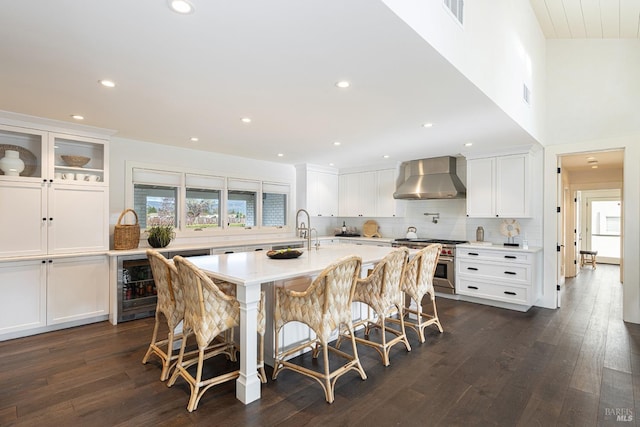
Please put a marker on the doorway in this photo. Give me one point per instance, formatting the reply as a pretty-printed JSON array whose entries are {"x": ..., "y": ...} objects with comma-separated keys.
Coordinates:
[{"x": 593, "y": 181}]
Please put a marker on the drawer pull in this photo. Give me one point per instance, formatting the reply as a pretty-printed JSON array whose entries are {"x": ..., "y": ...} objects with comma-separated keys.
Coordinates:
[
  {"x": 510, "y": 293},
  {"x": 510, "y": 272},
  {"x": 473, "y": 253},
  {"x": 472, "y": 287},
  {"x": 472, "y": 268},
  {"x": 510, "y": 256}
]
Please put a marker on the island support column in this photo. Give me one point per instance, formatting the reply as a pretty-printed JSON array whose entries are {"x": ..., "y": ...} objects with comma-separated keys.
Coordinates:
[{"x": 248, "y": 384}]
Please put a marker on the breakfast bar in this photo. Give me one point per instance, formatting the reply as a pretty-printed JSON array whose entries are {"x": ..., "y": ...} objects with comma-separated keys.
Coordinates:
[{"x": 249, "y": 270}]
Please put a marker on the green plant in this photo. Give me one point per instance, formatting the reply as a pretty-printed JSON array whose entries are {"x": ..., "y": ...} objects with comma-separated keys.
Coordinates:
[{"x": 160, "y": 236}]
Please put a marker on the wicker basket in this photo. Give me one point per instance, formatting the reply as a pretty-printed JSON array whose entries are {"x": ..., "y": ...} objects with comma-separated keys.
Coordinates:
[{"x": 126, "y": 236}]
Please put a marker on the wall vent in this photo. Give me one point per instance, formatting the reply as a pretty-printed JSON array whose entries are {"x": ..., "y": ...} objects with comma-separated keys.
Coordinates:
[
  {"x": 456, "y": 8},
  {"x": 526, "y": 94}
]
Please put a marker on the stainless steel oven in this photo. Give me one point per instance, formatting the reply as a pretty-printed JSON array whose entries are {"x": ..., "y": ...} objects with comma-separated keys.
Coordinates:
[{"x": 445, "y": 274}]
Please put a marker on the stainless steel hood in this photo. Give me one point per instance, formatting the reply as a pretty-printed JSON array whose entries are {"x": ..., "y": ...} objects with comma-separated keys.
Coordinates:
[{"x": 433, "y": 178}]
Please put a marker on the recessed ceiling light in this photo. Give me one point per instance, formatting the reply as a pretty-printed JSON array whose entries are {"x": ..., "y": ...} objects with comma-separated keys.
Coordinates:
[
  {"x": 343, "y": 84},
  {"x": 245, "y": 120},
  {"x": 468, "y": 144},
  {"x": 181, "y": 6},
  {"x": 337, "y": 143},
  {"x": 331, "y": 164},
  {"x": 280, "y": 155},
  {"x": 591, "y": 158},
  {"x": 386, "y": 156},
  {"x": 427, "y": 125},
  {"x": 594, "y": 167},
  {"x": 107, "y": 83},
  {"x": 77, "y": 117},
  {"x": 194, "y": 139}
]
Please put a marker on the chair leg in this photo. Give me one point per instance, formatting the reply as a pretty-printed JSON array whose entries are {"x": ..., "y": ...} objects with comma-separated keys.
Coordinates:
[
  {"x": 154, "y": 337},
  {"x": 195, "y": 387},
  {"x": 359, "y": 367},
  {"x": 166, "y": 365},
  {"x": 277, "y": 366},
  {"x": 328, "y": 387},
  {"x": 176, "y": 372},
  {"x": 261, "y": 372}
]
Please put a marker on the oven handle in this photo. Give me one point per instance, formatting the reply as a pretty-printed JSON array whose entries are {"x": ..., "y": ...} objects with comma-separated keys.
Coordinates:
[{"x": 445, "y": 258}]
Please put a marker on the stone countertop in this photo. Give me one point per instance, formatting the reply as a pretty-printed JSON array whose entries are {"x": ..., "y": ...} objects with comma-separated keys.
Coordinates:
[
  {"x": 487, "y": 245},
  {"x": 362, "y": 239},
  {"x": 212, "y": 245}
]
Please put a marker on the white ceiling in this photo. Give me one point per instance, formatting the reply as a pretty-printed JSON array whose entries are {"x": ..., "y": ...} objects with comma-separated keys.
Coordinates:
[
  {"x": 613, "y": 159},
  {"x": 274, "y": 61},
  {"x": 591, "y": 19}
]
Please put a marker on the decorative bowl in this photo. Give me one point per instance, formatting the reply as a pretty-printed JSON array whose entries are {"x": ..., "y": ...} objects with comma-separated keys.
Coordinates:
[
  {"x": 77, "y": 161},
  {"x": 284, "y": 253}
]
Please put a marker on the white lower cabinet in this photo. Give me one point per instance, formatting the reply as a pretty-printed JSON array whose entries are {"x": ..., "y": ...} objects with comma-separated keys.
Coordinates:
[
  {"x": 39, "y": 294},
  {"x": 77, "y": 288},
  {"x": 507, "y": 278},
  {"x": 23, "y": 286}
]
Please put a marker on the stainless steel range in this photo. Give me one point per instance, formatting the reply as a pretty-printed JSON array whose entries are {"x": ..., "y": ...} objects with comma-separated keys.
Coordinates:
[{"x": 444, "y": 278}]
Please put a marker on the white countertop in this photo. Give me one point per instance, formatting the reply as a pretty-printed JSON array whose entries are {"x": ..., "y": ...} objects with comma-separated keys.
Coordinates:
[
  {"x": 212, "y": 244},
  {"x": 245, "y": 267}
]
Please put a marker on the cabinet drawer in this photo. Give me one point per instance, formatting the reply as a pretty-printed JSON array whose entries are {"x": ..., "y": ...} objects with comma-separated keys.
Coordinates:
[
  {"x": 512, "y": 273},
  {"x": 494, "y": 255},
  {"x": 496, "y": 292}
]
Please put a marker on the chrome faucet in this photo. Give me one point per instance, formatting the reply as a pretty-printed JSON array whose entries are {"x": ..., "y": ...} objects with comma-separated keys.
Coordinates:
[
  {"x": 302, "y": 229},
  {"x": 317, "y": 243}
]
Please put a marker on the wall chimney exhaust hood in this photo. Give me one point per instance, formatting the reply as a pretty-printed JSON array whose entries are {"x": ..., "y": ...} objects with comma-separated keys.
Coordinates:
[{"x": 433, "y": 178}]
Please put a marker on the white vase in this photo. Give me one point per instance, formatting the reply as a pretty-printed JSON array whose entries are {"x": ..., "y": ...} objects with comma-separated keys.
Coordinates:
[{"x": 11, "y": 164}]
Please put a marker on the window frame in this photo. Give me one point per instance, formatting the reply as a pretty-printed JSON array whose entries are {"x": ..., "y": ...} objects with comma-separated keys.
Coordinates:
[{"x": 224, "y": 184}]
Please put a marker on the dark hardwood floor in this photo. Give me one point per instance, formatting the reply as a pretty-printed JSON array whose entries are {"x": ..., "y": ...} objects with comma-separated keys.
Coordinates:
[{"x": 579, "y": 365}]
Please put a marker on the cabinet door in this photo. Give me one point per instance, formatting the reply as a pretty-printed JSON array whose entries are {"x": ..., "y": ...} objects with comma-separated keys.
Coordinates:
[
  {"x": 322, "y": 193},
  {"x": 31, "y": 148},
  {"x": 23, "y": 219},
  {"x": 79, "y": 221},
  {"x": 366, "y": 194},
  {"x": 386, "y": 205},
  {"x": 348, "y": 205},
  {"x": 23, "y": 287},
  {"x": 481, "y": 188},
  {"x": 65, "y": 149},
  {"x": 512, "y": 186},
  {"x": 78, "y": 288}
]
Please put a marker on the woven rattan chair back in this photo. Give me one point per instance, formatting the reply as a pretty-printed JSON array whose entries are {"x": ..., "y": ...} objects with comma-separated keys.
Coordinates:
[
  {"x": 418, "y": 282},
  {"x": 208, "y": 313},
  {"x": 381, "y": 291},
  {"x": 324, "y": 306},
  {"x": 170, "y": 305}
]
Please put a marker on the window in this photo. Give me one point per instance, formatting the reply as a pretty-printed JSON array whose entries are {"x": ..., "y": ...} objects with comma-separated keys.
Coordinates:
[
  {"x": 242, "y": 203},
  {"x": 203, "y": 208},
  {"x": 274, "y": 204},
  {"x": 455, "y": 7},
  {"x": 155, "y": 195},
  {"x": 155, "y": 205},
  {"x": 203, "y": 202}
]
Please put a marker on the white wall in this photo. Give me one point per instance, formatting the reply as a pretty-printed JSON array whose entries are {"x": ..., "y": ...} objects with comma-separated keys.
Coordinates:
[
  {"x": 499, "y": 48},
  {"x": 592, "y": 91},
  {"x": 122, "y": 150}
]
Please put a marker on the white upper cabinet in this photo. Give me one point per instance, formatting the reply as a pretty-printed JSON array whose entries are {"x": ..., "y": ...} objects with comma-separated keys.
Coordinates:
[
  {"x": 369, "y": 194},
  {"x": 499, "y": 187},
  {"x": 317, "y": 190}
]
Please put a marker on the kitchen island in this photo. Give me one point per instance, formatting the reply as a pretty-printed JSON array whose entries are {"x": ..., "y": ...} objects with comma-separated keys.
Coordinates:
[{"x": 249, "y": 270}]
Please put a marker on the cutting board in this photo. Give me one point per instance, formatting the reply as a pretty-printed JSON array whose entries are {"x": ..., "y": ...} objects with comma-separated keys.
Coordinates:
[{"x": 370, "y": 229}]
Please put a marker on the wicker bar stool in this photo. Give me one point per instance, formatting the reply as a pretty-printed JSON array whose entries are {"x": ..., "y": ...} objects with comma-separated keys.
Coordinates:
[
  {"x": 324, "y": 306},
  {"x": 418, "y": 282},
  {"x": 380, "y": 290},
  {"x": 170, "y": 306},
  {"x": 209, "y": 313}
]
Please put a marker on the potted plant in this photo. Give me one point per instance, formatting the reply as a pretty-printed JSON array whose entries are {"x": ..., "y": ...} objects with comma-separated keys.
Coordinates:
[{"x": 160, "y": 235}]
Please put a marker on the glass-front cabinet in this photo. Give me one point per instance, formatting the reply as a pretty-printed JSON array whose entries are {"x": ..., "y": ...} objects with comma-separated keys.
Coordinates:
[
  {"x": 33, "y": 155},
  {"x": 23, "y": 154}
]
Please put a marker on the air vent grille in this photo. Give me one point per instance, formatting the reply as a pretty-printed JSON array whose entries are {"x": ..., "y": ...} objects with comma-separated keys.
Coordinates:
[
  {"x": 526, "y": 94},
  {"x": 455, "y": 7}
]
